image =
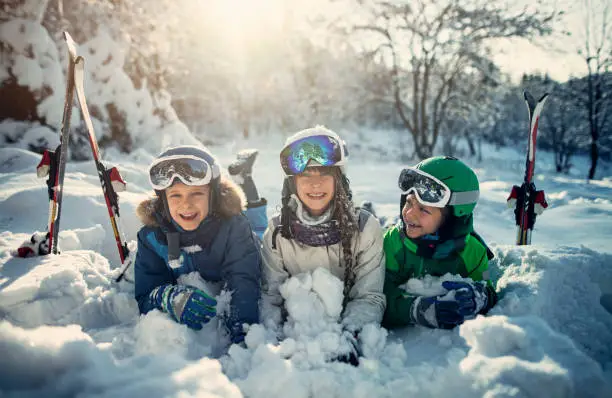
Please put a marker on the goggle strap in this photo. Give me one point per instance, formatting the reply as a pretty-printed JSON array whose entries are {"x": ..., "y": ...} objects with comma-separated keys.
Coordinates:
[
  {"x": 216, "y": 170},
  {"x": 464, "y": 198},
  {"x": 420, "y": 172}
]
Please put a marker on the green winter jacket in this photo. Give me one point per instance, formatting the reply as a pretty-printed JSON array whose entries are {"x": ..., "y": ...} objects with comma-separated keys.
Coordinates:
[{"x": 403, "y": 263}]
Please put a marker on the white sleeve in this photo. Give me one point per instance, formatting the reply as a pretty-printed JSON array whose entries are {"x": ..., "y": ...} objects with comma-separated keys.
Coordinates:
[
  {"x": 366, "y": 303},
  {"x": 274, "y": 275}
]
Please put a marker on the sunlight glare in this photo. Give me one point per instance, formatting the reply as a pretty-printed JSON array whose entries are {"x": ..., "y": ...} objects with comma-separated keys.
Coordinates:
[{"x": 242, "y": 23}]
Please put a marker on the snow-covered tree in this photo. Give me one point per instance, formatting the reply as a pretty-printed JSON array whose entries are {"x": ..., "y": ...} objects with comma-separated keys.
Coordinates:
[
  {"x": 596, "y": 49},
  {"x": 32, "y": 89},
  {"x": 30, "y": 76},
  {"x": 471, "y": 112},
  {"x": 432, "y": 46}
]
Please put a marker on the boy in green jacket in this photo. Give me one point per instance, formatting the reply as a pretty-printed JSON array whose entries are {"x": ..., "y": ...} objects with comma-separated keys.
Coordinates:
[{"x": 434, "y": 237}]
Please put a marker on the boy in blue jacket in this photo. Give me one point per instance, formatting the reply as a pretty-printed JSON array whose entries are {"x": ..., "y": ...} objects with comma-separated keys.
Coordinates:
[{"x": 196, "y": 223}]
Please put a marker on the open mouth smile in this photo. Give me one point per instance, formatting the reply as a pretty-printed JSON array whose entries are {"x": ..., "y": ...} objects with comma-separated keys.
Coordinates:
[
  {"x": 316, "y": 195},
  {"x": 188, "y": 216}
]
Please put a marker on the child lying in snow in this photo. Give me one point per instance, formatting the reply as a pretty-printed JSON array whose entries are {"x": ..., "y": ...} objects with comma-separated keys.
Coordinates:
[
  {"x": 319, "y": 227},
  {"x": 195, "y": 223},
  {"x": 435, "y": 236}
]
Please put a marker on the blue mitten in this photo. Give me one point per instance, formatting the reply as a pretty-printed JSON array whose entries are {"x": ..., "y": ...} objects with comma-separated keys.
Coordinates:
[
  {"x": 186, "y": 304},
  {"x": 447, "y": 311},
  {"x": 471, "y": 296},
  {"x": 436, "y": 312}
]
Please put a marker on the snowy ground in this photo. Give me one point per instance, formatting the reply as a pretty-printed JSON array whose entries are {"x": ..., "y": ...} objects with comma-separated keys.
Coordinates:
[{"x": 68, "y": 330}]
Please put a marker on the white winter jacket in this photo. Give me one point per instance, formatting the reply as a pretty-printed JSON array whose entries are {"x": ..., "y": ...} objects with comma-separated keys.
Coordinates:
[{"x": 366, "y": 302}]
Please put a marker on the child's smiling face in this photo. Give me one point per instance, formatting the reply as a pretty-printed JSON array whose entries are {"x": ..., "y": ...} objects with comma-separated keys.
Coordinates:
[
  {"x": 420, "y": 220},
  {"x": 188, "y": 204},
  {"x": 315, "y": 189}
]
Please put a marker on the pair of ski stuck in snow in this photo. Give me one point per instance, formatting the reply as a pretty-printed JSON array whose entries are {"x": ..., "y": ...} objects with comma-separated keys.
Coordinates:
[
  {"x": 527, "y": 201},
  {"x": 53, "y": 166}
]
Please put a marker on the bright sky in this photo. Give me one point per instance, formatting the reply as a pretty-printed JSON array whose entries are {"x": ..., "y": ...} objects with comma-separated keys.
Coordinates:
[
  {"x": 517, "y": 57},
  {"x": 241, "y": 22},
  {"x": 557, "y": 54},
  {"x": 252, "y": 24}
]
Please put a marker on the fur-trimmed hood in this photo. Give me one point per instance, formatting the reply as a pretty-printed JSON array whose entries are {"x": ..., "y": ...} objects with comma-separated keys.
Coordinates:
[{"x": 232, "y": 203}]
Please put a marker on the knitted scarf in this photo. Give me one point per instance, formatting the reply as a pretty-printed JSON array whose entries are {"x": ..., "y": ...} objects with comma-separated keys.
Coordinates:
[{"x": 324, "y": 234}]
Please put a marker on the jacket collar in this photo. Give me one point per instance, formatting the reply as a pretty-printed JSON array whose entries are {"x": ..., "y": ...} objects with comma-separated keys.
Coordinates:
[
  {"x": 296, "y": 205},
  {"x": 448, "y": 241}
]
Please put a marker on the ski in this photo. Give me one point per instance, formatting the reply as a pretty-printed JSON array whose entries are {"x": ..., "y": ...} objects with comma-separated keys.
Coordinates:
[
  {"x": 53, "y": 163},
  {"x": 526, "y": 200},
  {"x": 110, "y": 179}
]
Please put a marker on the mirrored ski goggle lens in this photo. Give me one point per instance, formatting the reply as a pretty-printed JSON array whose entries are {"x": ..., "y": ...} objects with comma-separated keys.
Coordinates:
[
  {"x": 428, "y": 190},
  {"x": 322, "y": 149},
  {"x": 190, "y": 171}
]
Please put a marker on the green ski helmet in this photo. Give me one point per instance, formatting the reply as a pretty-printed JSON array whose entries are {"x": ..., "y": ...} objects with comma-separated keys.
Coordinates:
[{"x": 456, "y": 175}]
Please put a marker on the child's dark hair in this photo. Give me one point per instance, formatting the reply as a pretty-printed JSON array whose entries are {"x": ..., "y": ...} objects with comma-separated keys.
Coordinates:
[{"x": 343, "y": 215}]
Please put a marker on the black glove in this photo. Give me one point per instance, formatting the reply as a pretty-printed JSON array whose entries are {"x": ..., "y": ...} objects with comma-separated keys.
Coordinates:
[
  {"x": 354, "y": 352},
  {"x": 240, "y": 170},
  {"x": 237, "y": 334},
  {"x": 243, "y": 165}
]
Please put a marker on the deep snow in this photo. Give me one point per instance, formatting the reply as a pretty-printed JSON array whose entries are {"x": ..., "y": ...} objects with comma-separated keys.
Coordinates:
[{"x": 68, "y": 329}]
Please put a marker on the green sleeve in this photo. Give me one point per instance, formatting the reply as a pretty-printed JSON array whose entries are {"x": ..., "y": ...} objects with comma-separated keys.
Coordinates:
[
  {"x": 397, "y": 312},
  {"x": 474, "y": 256},
  {"x": 477, "y": 263}
]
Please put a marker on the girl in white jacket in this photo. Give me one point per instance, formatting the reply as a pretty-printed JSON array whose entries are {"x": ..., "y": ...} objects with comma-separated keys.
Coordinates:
[{"x": 319, "y": 227}]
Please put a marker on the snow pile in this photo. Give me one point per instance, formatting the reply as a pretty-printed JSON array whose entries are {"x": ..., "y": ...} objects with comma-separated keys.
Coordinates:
[
  {"x": 64, "y": 361},
  {"x": 54, "y": 295},
  {"x": 523, "y": 356},
  {"x": 566, "y": 288},
  {"x": 104, "y": 335},
  {"x": 17, "y": 160}
]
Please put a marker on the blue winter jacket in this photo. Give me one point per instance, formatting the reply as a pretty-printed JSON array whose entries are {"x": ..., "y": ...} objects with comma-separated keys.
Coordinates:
[{"x": 223, "y": 249}]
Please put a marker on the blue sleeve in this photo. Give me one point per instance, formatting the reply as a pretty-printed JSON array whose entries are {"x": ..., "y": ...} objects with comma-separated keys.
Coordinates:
[
  {"x": 242, "y": 274},
  {"x": 150, "y": 271},
  {"x": 258, "y": 219}
]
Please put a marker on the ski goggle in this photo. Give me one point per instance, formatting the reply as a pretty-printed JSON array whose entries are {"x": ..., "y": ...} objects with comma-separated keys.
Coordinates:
[
  {"x": 188, "y": 169},
  {"x": 430, "y": 191},
  {"x": 323, "y": 149}
]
